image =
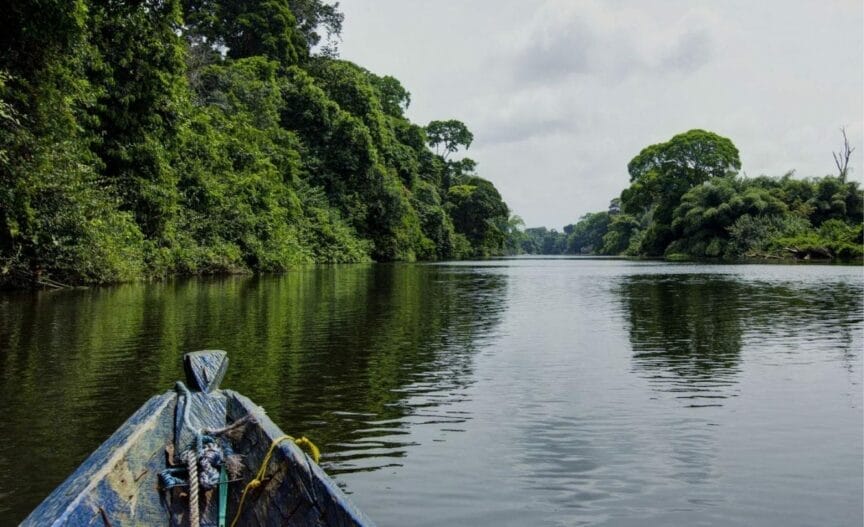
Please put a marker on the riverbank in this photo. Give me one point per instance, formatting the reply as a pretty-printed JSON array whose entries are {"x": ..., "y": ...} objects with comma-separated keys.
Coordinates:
[{"x": 48, "y": 284}]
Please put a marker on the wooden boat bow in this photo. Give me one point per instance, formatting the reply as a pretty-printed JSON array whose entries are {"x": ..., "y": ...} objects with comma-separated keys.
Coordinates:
[{"x": 118, "y": 484}]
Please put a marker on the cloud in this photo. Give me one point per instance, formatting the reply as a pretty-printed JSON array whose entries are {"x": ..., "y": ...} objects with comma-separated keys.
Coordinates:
[
  {"x": 553, "y": 53},
  {"x": 567, "y": 51},
  {"x": 562, "y": 42},
  {"x": 524, "y": 114},
  {"x": 524, "y": 128},
  {"x": 561, "y": 94},
  {"x": 692, "y": 51}
]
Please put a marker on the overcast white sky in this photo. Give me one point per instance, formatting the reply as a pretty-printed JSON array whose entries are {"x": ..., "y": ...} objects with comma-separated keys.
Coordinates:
[{"x": 561, "y": 94}]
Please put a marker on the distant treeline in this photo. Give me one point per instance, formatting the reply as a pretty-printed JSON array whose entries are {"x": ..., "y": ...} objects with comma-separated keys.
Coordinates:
[
  {"x": 153, "y": 137},
  {"x": 686, "y": 199}
]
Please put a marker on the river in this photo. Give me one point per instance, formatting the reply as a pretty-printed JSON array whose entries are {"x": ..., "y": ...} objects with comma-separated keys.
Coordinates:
[{"x": 523, "y": 391}]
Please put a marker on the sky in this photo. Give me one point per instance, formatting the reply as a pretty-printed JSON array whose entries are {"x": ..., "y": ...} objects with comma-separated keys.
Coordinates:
[{"x": 562, "y": 94}]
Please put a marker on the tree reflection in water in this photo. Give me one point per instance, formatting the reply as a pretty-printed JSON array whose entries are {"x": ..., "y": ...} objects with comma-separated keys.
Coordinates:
[
  {"x": 688, "y": 330},
  {"x": 349, "y": 355}
]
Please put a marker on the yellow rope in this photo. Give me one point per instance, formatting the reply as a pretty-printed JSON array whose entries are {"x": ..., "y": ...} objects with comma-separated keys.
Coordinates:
[
  {"x": 262, "y": 471},
  {"x": 310, "y": 446}
]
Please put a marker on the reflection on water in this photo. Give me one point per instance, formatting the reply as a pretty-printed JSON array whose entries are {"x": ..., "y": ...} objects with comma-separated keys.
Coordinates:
[
  {"x": 508, "y": 392},
  {"x": 349, "y": 355},
  {"x": 806, "y": 315},
  {"x": 686, "y": 332}
]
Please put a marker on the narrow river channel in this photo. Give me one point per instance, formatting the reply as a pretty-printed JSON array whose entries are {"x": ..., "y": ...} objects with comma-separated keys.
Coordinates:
[{"x": 524, "y": 391}]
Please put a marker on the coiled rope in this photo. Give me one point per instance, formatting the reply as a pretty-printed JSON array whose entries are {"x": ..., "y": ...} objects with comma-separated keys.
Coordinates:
[
  {"x": 262, "y": 471},
  {"x": 212, "y": 456}
]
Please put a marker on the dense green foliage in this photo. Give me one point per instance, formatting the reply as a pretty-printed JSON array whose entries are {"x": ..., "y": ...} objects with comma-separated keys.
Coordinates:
[
  {"x": 536, "y": 240},
  {"x": 154, "y": 137},
  {"x": 687, "y": 200},
  {"x": 661, "y": 174}
]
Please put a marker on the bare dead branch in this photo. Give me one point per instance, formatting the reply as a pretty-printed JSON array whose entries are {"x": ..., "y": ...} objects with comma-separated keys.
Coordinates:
[{"x": 841, "y": 159}]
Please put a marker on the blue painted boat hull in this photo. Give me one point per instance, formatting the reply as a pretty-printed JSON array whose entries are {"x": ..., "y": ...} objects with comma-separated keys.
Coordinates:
[{"x": 119, "y": 485}]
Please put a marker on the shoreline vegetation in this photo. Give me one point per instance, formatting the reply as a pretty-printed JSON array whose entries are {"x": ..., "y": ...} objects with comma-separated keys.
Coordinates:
[
  {"x": 147, "y": 139},
  {"x": 687, "y": 201},
  {"x": 180, "y": 137}
]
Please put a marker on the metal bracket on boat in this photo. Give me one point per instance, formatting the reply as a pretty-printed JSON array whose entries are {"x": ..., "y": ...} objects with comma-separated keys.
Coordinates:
[{"x": 205, "y": 369}]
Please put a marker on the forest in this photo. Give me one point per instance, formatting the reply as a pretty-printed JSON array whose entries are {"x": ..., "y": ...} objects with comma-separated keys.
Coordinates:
[
  {"x": 150, "y": 138},
  {"x": 141, "y": 139},
  {"x": 686, "y": 199}
]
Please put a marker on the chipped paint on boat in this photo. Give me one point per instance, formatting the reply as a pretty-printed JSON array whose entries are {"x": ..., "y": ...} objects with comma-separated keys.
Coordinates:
[{"x": 118, "y": 483}]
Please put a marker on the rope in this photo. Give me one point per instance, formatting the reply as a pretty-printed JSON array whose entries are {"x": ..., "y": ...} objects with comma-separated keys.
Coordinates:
[
  {"x": 256, "y": 481},
  {"x": 233, "y": 426},
  {"x": 310, "y": 446},
  {"x": 192, "y": 463},
  {"x": 212, "y": 458},
  {"x": 186, "y": 393}
]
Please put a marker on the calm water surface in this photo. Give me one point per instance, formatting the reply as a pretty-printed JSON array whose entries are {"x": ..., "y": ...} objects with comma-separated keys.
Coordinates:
[{"x": 507, "y": 392}]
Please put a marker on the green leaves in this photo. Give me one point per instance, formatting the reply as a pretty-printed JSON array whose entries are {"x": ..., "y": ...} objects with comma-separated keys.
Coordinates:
[
  {"x": 265, "y": 28},
  {"x": 702, "y": 221},
  {"x": 685, "y": 201},
  {"x": 660, "y": 174},
  {"x": 587, "y": 235},
  {"x": 199, "y": 136},
  {"x": 449, "y": 136},
  {"x": 479, "y": 214},
  {"x": 693, "y": 156}
]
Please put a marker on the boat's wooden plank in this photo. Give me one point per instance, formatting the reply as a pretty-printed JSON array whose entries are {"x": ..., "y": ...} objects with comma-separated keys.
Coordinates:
[
  {"x": 206, "y": 410},
  {"x": 278, "y": 499},
  {"x": 302, "y": 486},
  {"x": 118, "y": 480}
]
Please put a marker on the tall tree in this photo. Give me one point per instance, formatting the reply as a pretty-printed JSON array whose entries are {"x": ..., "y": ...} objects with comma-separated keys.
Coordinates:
[
  {"x": 587, "y": 235},
  {"x": 143, "y": 92},
  {"x": 56, "y": 220},
  {"x": 448, "y": 136},
  {"x": 249, "y": 28},
  {"x": 660, "y": 174},
  {"x": 315, "y": 16},
  {"x": 395, "y": 99},
  {"x": 480, "y": 214}
]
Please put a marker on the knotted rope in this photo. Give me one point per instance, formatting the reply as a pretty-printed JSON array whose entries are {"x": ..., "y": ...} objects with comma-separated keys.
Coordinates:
[
  {"x": 206, "y": 459},
  {"x": 213, "y": 458}
]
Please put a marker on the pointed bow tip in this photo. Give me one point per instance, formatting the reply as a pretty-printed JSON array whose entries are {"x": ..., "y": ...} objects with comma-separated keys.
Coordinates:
[{"x": 205, "y": 369}]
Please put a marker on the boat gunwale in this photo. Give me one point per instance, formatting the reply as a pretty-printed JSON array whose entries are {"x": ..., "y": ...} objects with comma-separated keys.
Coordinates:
[
  {"x": 310, "y": 470},
  {"x": 65, "y": 498}
]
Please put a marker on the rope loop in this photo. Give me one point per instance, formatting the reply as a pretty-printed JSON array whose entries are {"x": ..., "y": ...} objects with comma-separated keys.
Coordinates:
[
  {"x": 259, "y": 476},
  {"x": 304, "y": 442}
]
